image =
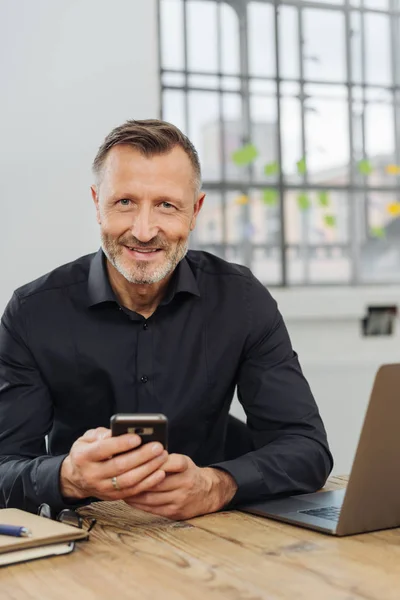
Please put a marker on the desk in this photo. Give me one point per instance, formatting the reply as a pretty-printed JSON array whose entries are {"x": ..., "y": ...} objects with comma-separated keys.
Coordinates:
[{"x": 229, "y": 555}]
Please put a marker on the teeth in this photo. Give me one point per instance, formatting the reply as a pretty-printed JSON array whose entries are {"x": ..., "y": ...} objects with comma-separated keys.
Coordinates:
[{"x": 138, "y": 250}]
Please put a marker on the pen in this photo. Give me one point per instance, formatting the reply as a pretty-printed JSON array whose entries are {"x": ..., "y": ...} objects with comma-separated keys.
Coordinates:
[{"x": 14, "y": 530}]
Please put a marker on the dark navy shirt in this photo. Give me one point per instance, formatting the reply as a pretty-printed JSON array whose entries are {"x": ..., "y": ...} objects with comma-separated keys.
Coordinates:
[{"x": 71, "y": 356}]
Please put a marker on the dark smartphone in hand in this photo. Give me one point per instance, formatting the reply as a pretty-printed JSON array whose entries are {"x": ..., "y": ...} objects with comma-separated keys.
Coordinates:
[{"x": 150, "y": 427}]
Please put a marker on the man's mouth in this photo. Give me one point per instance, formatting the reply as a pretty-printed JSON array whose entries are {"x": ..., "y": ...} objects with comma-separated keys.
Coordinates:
[{"x": 144, "y": 250}]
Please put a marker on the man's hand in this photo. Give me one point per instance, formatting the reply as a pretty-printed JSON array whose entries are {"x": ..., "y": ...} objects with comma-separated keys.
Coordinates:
[
  {"x": 95, "y": 458},
  {"x": 187, "y": 491}
]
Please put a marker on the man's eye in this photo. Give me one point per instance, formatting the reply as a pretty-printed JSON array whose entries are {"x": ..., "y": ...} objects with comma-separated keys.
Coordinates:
[
  {"x": 124, "y": 201},
  {"x": 166, "y": 205}
]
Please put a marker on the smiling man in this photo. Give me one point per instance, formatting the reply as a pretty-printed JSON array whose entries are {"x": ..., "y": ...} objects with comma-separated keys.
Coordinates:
[{"x": 144, "y": 325}]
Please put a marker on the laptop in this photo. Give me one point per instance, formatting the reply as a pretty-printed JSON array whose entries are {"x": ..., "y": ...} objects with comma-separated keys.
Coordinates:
[{"x": 371, "y": 500}]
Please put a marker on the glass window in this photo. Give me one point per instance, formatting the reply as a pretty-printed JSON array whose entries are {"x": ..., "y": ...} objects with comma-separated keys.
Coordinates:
[
  {"x": 229, "y": 21},
  {"x": 324, "y": 45},
  {"x": 172, "y": 28},
  {"x": 327, "y": 137},
  {"x": 202, "y": 36},
  {"x": 289, "y": 41},
  {"x": 300, "y": 157},
  {"x": 377, "y": 49},
  {"x": 204, "y": 115},
  {"x": 260, "y": 17}
]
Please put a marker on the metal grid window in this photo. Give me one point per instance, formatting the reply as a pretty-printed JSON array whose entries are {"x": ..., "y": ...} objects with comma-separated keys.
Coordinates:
[{"x": 314, "y": 87}]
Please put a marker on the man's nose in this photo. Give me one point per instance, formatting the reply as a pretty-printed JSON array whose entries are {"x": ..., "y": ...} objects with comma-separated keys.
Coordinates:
[{"x": 144, "y": 227}]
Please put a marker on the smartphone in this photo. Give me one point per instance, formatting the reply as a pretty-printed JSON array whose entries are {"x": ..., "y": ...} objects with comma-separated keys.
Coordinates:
[{"x": 150, "y": 427}]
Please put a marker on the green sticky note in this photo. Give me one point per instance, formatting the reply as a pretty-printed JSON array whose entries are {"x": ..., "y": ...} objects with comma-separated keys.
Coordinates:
[
  {"x": 330, "y": 220},
  {"x": 302, "y": 166},
  {"x": 378, "y": 232},
  {"x": 303, "y": 201},
  {"x": 323, "y": 198},
  {"x": 271, "y": 168},
  {"x": 365, "y": 167},
  {"x": 245, "y": 155},
  {"x": 270, "y": 197}
]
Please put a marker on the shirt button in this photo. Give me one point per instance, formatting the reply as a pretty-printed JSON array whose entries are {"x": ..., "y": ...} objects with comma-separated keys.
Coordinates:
[
  {"x": 144, "y": 379},
  {"x": 145, "y": 326}
]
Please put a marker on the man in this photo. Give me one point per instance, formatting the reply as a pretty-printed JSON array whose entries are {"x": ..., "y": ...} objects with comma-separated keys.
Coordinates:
[{"x": 144, "y": 325}]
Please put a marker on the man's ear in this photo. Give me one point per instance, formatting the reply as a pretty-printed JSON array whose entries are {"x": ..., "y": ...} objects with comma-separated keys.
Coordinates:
[
  {"x": 197, "y": 208},
  {"x": 95, "y": 197}
]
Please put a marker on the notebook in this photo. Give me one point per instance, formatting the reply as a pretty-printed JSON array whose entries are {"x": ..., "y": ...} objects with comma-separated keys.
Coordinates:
[{"x": 49, "y": 538}]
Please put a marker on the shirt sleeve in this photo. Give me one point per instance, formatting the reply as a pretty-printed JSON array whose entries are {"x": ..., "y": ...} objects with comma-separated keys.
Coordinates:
[
  {"x": 291, "y": 453},
  {"x": 28, "y": 476}
]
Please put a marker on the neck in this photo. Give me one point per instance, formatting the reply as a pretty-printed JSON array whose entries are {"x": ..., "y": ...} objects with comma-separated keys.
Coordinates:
[{"x": 141, "y": 298}]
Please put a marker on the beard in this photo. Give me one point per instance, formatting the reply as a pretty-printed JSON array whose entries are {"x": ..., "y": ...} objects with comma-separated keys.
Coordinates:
[{"x": 142, "y": 272}]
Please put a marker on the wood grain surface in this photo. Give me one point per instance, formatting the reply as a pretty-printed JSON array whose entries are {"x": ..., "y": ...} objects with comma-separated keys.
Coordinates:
[{"x": 229, "y": 555}]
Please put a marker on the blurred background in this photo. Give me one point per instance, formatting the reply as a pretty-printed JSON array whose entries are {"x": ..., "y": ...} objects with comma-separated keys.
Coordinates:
[{"x": 294, "y": 107}]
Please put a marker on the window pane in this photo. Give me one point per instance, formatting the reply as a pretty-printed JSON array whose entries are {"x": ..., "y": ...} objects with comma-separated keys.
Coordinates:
[
  {"x": 356, "y": 47},
  {"x": 237, "y": 227},
  {"x": 263, "y": 132},
  {"x": 230, "y": 83},
  {"x": 377, "y": 49},
  {"x": 318, "y": 248},
  {"x": 291, "y": 139},
  {"x": 324, "y": 47},
  {"x": 203, "y": 131},
  {"x": 327, "y": 135},
  {"x": 288, "y": 42},
  {"x": 265, "y": 236},
  {"x": 202, "y": 36},
  {"x": 174, "y": 79},
  {"x": 171, "y": 20},
  {"x": 209, "y": 224},
  {"x": 261, "y": 39},
  {"x": 174, "y": 108},
  {"x": 233, "y": 134},
  {"x": 229, "y": 40},
  {"x": 204, "y": 81},
  {"x": 380, "y": 138},
  {"x": 379, "y": 4},
  {"x": 379, "y": 238}
]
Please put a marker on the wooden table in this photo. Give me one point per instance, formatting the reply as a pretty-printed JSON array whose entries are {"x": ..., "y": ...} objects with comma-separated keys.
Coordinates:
[{"x": 229, "y": 555}]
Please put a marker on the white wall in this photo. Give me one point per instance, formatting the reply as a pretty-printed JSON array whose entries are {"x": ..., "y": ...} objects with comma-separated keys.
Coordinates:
[{"x": 70, "y": 70}]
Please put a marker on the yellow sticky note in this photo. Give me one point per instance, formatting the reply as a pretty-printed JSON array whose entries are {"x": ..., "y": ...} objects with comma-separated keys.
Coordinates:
[
  {"x": 394, "y": 209},
  {"x": 393, "y": 170},
  {"x": 242, "y": 200}
]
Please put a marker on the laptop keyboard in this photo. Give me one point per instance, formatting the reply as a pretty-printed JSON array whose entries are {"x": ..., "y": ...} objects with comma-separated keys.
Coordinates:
[{"x": 332, "y": 513}]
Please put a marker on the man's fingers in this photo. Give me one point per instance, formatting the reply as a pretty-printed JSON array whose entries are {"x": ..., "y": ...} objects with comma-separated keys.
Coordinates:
[
  {"x": 91, "y": 435},
  {"x": 149, "y": 499},
  {"x": 129, "y": 461},
  {"x": 136, "y": 476},
  {"x": 146, "y": 484},
  {"x": 176, "y": 463},
  {"x": 104, "y": 447}
]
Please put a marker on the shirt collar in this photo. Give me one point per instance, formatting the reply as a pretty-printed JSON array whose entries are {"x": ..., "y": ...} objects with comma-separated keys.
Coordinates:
[{"x": 100, "y": 290}]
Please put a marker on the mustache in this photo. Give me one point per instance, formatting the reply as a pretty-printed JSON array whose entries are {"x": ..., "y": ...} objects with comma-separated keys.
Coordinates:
[{"x": 156, "y": 242}]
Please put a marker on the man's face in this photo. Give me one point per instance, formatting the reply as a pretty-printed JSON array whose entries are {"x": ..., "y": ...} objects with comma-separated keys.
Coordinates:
[{"x": 146, "y": 208}]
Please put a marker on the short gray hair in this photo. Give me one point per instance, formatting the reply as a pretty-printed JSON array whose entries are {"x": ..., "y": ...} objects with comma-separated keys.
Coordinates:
[{"x": 150, "y": 137}]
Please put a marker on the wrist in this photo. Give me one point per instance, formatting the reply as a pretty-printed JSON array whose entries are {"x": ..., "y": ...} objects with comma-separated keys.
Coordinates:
[
  {"x": 68, "y": 489},
  {"x": 222, "y": 487}
]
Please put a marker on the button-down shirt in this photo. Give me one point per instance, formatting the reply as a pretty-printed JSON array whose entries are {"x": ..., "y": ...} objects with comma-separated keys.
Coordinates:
[{"x": 71, "y": 356}]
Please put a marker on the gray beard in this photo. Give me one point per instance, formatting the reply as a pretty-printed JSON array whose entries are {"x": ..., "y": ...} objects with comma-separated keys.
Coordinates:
[{"x": 143, "y": 275}]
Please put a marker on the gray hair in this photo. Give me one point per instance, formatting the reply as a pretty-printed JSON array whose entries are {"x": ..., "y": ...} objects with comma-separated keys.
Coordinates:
[{"x": 150, "y": 137}]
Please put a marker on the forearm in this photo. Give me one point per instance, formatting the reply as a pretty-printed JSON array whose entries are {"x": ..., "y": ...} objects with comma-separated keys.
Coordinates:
[
  {"x": 27, "y": 483},
  {"x": 290, "y": 464}
]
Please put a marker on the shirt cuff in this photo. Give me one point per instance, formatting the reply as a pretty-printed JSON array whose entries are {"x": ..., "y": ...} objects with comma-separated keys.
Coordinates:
[
  {"x": 250, "y": 481},
  {"x": 47, "y": 485}
]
